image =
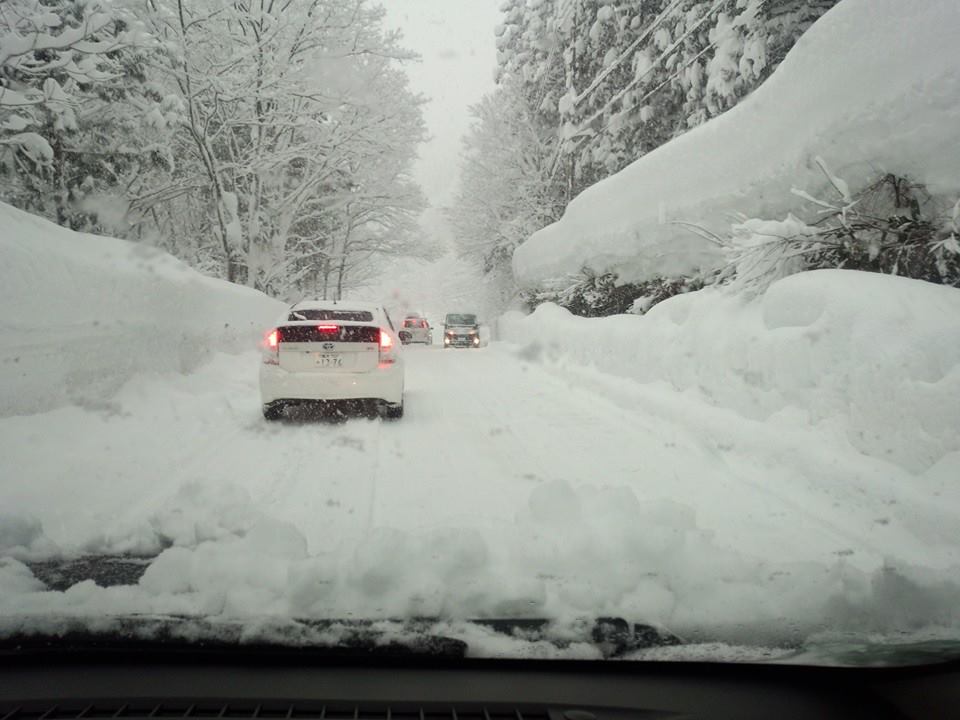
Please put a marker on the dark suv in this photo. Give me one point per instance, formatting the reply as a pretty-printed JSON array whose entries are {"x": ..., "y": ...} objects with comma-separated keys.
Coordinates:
[{"x": 461, "y": 330}]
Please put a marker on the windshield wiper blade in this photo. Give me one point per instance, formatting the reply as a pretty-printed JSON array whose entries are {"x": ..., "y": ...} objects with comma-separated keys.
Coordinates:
[
  {"x": 428, "y": 637},
  {"x": 179, "y": 634},
  {"x": 613, "y": 636},
  {"x": 77, "y": 642}
]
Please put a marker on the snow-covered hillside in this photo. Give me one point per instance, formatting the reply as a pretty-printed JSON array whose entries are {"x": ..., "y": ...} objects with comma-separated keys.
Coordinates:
[
  {"x": 872, "y": 87},
  {"x": 84, "y": 313}
]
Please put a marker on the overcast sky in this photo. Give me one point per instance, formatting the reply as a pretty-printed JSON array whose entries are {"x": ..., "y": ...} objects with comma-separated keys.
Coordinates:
[
  {"x": 456, "y": 43},
  {"x": 455, "y": 39}
]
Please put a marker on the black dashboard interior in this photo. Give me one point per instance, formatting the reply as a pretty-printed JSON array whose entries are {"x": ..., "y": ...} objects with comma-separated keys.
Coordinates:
[{"x": 292, "y": 684}]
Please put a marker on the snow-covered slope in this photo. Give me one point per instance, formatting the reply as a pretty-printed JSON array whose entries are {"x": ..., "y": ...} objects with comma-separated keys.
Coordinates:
[
  {"x": 873, "y": 359},
  {"x": 82, "y": 314},
  {"x": 872, "y": 87}
]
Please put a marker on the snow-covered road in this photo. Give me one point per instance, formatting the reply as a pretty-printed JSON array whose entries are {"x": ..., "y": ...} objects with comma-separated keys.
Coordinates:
[{"x": 514, "y": 485}]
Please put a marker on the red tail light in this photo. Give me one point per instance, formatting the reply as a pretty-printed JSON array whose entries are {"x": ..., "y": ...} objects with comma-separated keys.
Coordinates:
[
  {"x": 271, "y": 348},
  {"x": 328, "y": 328},
  {"x": 387, "y": 358}
]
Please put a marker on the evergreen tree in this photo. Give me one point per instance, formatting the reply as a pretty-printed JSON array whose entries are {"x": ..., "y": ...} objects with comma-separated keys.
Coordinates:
[{"x": 78, "y": 119}]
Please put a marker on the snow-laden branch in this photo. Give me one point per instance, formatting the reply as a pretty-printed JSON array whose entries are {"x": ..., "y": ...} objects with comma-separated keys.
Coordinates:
[
  {"x": 617, "y": 97},
  {"x": 32, "y": 36},
  {"x": 627, "y": 52}
]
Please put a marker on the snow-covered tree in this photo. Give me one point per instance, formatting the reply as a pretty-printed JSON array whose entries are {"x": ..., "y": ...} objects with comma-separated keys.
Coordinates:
[
  {"x": 508, "y": 187},
  {"x": 505, "y": 188},
  {"x": 266, "y": 141},
  {"x": 286, "y": 105},
  {"x": 74, "y": 104},
  {"x": 625, "y": 76}
]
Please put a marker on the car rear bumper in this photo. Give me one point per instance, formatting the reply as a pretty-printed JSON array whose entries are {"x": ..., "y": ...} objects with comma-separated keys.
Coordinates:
[
  {"x": 460, "y": 342},
  {"x": 417, "y": 337},
  {"x": 380, "y": 384}
]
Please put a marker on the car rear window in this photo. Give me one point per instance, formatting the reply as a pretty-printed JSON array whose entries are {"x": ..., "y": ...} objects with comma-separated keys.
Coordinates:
[
  {"x": 343, "y": 315},
  {"x": 344, "y": 333}
]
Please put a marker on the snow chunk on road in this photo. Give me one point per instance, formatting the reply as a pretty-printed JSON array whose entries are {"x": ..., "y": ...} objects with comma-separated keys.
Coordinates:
[
  {"x": 84, "y": 313},
  {"x": 569, "y": 553},
  {"x": 857, "y": 89},
  {"x": 878, "y": 354}
]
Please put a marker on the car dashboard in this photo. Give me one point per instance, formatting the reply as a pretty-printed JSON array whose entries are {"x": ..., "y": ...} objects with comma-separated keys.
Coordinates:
[{"x": 296, "y": 685}]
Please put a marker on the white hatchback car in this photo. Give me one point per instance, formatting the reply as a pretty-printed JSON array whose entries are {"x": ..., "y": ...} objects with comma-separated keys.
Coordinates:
[
  {"x": 416, "y": 329},
  {"x": 324, "y": 350}
]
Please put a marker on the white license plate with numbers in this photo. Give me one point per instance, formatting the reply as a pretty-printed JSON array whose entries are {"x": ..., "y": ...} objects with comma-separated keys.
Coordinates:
[{"x": 329, "y": 360}]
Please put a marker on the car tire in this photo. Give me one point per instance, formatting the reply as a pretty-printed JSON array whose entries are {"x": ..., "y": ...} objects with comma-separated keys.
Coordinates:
[
  {"x": 274, "y": 411},
  {"x": 393, "y": 411}
]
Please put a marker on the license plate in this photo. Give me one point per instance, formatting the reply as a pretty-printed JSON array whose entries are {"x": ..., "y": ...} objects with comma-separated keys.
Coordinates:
[{"x": 329, "y": 361}]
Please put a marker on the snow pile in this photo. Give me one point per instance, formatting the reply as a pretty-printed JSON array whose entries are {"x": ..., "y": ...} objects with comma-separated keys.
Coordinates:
[
  {"x": 84, "y": 313},
  {"x": 567, "y": 554},
  {"x": 23, "y": 537},
  {"x": 872, "y": 87},
  {"x": 542, "y": 496},
  {"x": 875, "y": 355}
]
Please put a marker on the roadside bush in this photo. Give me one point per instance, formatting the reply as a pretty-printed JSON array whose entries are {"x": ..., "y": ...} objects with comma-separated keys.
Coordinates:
[
  {"x": 598, "y": 295},
  {"x": 892, "y": 226},
  {"x": 659, "y": 289}
]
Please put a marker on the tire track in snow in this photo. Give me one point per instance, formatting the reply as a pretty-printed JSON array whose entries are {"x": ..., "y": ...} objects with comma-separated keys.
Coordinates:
[
  {"x": 761, "y": 466},
  {"x": 374, "y": 477},
  {"x": 325, "y": 484}
]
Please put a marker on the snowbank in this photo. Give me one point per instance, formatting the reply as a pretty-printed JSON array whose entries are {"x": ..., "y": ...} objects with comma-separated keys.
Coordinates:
[
  {"x": 872, "y": 87},
  {"x": 878, "y": 354},
  {"x": 542, "y": 497},
  {"x": 84, "y": 313}
]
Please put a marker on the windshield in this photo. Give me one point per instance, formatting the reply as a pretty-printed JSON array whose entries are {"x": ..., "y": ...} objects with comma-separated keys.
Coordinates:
[{"x": 713, "y": 406}]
